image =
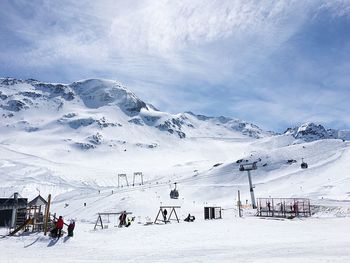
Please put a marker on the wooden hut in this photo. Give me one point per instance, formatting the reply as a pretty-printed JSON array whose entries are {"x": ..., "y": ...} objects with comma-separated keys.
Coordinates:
[{"x": 36, "y": 210}]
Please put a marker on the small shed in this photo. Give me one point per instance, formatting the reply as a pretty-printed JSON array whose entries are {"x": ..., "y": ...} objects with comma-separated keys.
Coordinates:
[
  {"x": 213, "y": 212},
  {"x": 7, "y": 205}
]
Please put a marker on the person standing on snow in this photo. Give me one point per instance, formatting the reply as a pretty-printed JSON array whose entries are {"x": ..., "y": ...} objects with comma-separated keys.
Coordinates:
[
  {"x": 122, "y": 219},
  {"x": 59, "y": 226},
  {"x": 165, "y": 213},
  {"x": 71, "y": 227}
]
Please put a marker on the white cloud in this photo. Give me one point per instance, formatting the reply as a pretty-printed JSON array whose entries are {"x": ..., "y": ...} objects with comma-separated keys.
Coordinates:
[{"x": 176, "y": 49}]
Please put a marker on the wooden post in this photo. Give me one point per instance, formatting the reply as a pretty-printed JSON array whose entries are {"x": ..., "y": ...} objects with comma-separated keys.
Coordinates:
[
  {"x": 157, "y": 216},
  {"x": 239, "y": 204},
  {"x": 309, "y": 207},
  {"x": 34, "y": 218},
  {"x": 99, "y": 219},
  {"x": 176, "y": 215},
  {"x": 47, "y": 214}
]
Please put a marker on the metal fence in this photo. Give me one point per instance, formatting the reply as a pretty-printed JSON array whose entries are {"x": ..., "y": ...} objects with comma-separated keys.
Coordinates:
[{"x": 283, "y": 207}]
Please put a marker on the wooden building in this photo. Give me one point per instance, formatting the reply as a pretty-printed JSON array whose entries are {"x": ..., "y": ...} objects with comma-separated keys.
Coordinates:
[
  {"x": 36, "y": 210},
  {"x": 7, "y": 206}
]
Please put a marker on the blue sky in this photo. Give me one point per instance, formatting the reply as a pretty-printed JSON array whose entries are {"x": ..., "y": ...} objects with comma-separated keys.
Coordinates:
[{"x": 274, "y": 63}]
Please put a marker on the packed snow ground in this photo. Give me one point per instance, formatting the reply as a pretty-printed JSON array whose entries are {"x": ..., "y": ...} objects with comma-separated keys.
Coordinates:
[{"x": 228, "y": 240}]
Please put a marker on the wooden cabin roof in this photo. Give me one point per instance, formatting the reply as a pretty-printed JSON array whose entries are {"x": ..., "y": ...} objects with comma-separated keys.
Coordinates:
[{"x": 37, "y": 201}]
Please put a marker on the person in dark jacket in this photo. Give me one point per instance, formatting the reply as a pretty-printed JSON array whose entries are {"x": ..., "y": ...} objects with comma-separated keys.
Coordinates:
[
  {"x": 53, "y": 231},
  {"x": 71, "y": 227},
  {"x": 165, "y": 213},
  {"x": 59, "y": 226},
  {"x": 189, "y": 218},
  {"x": 122, "y": 219}
]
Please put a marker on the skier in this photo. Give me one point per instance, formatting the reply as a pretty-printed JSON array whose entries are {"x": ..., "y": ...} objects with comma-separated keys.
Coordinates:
[
  {"x": 71, "y": 227},
  {"x": 59, "y": 226}
]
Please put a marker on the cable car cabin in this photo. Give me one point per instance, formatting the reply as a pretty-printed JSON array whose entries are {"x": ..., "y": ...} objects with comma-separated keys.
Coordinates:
[
  {"x": 303, "y": 165},
  {"x": 174, "y": 194}
]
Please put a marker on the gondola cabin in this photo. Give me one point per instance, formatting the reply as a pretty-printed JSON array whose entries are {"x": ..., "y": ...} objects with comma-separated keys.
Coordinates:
[
  {"x": 174, "y": 194},
  {"x": 303, "y": 165}
]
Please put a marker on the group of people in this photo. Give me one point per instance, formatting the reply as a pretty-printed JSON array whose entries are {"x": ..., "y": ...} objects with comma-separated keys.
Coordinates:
[
  {"x": 124, "y": 220},
  {"x": 58, "y": 227},
  {"x": 189, "y": 218}
]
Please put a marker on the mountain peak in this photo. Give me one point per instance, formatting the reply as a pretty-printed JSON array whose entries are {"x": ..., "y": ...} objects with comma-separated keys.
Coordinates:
[
  {"x": 96, "y": 93},
  {"x": 311, "y": 131}
]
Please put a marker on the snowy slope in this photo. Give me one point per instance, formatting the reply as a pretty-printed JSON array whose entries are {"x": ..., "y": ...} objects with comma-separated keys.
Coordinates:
[
  {"x": 71, "y": 141},
  {"x": 65, "y": 139}
]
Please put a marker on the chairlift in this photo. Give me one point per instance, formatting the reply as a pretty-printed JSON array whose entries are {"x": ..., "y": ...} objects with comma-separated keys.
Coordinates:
[
  {"x": 303, "y": 165},
  {"x": 248, "y": 166},
  {"x": 174, "y": 194}
]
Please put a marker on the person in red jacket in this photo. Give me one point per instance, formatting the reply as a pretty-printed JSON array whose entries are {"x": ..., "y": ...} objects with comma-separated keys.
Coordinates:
[{"x": 59, "y": 226}]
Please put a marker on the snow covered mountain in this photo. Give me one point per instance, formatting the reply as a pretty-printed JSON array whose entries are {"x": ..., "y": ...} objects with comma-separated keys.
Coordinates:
[
  {"x": 95, "y": 105},
  {"x": 311, "y": 132},
  {"x": 98, "y": 109}
]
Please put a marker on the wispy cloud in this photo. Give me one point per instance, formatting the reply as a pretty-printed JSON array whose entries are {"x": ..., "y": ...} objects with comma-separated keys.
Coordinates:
[{"x": 286, "y": 59}]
